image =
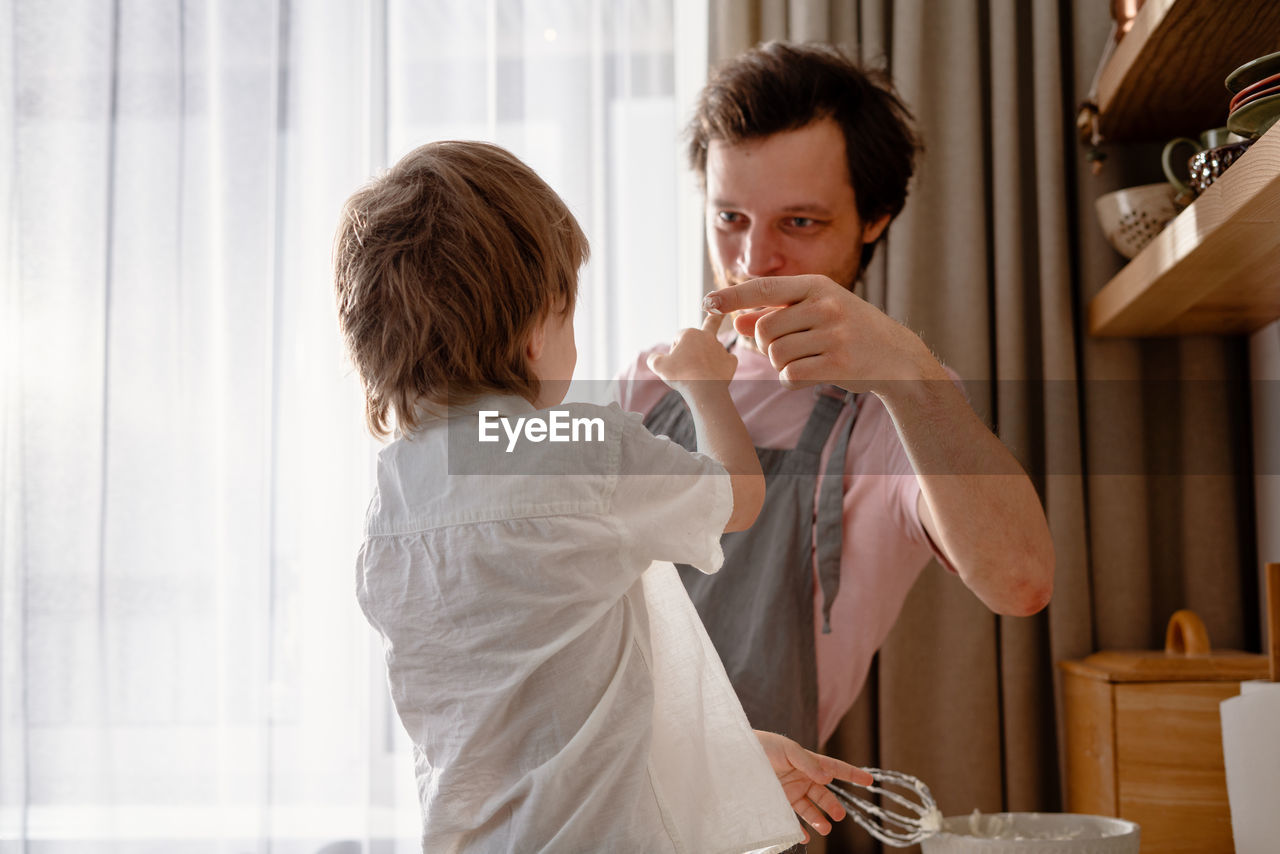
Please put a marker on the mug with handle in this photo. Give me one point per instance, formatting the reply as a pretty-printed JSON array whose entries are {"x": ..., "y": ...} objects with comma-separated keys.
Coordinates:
[{"x": 1211, "y": 138}]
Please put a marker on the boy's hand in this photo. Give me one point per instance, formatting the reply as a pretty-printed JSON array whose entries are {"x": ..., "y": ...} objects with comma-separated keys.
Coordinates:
[
  {"x": 695, "y": 356},
  {"x": 804, "y": 776}
]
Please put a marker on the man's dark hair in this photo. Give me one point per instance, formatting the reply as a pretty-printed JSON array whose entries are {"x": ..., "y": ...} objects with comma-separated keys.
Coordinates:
[{"x": 777, "y": 86}]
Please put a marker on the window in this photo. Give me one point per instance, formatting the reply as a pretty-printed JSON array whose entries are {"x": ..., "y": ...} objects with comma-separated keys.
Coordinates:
[{"x": 185, "y": 467}]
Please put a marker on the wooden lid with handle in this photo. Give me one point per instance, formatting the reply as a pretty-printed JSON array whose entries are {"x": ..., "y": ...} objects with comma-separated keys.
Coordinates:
[
  {"x": 1187, "y": 657},
  {"x": 1186, "y": 635}
]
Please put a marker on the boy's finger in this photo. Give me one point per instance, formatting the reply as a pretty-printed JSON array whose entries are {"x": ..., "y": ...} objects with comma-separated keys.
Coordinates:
[
  {"x": 827, "y": 802},
  {"x": 811, "y": 814},
  {"x": 711, "y": 323},
  {"x": 841, "y": 770},
  {"x": 808, "y": 763}
]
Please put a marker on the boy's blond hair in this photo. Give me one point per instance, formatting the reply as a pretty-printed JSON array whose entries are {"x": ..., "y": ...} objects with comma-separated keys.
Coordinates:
[{"x": 443, "y": 265}]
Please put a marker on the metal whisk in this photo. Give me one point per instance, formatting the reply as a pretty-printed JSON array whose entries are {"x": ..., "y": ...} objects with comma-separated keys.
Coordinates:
[{"x": 909, "y": 814}]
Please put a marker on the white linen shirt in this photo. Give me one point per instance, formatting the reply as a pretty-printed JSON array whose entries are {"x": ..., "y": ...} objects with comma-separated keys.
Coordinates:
[{"x": 560, "y": 692}]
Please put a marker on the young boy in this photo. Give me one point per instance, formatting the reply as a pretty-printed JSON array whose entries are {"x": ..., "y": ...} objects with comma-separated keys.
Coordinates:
[{"x": 559, "y": 691}]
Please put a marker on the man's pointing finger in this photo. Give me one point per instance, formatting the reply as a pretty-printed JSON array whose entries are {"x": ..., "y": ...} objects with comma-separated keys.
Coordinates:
[{"x": 765, "y": 292}]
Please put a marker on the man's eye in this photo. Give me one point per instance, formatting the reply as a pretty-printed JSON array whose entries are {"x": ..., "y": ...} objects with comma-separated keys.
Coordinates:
[
  {"x": 730, "y": 217},
  {"x": 803, "y": 221}
]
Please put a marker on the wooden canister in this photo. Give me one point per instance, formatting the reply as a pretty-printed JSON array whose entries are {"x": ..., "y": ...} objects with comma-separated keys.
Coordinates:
[{"x": 1144, "y": 737}]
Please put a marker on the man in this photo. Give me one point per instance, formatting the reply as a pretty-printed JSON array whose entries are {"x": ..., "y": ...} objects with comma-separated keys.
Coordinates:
[{"x": 874, "y": 459}]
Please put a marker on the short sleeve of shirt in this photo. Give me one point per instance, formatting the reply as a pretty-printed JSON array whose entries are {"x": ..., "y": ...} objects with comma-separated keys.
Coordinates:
[
  {"x": 899, "y": 480},
  {"x": 673, "y": 504}
]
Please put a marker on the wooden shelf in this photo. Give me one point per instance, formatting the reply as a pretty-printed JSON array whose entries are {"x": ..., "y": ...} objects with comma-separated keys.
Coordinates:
[
  {"x": 1215, "y": 268},
  {"x": 1165, "y": 78}
]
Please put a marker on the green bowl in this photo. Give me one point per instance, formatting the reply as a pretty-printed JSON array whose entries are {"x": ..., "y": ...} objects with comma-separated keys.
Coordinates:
[
  {"x": 1255, "y": 118},
  {"x": 1253, "y": 71}
]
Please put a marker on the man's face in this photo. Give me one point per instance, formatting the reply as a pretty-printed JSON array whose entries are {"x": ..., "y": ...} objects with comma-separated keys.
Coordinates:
[{"x": 783, "y": 206}]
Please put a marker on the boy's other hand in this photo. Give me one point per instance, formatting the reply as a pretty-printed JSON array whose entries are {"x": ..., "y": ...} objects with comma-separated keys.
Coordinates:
[
  {"x": 696, "y": 356},
  {"x": 804, "y": 776}
]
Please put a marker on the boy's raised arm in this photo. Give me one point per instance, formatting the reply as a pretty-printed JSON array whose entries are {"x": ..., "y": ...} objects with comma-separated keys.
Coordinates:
[{"x": 699, "y": 368}]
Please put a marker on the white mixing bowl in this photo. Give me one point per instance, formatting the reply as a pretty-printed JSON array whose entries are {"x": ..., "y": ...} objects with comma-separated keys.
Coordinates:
[
  {"x": 1033, "y": 833},
  {"x": 1132, "y": 217}
]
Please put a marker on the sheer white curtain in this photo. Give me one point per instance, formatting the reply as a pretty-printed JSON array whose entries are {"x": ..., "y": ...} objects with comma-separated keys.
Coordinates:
[{"x": 184, "y": 464}]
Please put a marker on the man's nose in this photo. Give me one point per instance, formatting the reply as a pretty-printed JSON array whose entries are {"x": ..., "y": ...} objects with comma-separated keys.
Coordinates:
[{"x": 762, "y": 253}]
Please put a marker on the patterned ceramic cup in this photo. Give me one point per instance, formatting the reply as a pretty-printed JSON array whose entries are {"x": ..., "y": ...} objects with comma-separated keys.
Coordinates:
[
  {"x": 1205, "y": 167},
  {"x": 1209, "y": 139}
]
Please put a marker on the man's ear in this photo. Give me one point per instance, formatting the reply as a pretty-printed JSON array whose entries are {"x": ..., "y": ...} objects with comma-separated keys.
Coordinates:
[
  {"x": 872, "y": 230},
  {"x": 537, "y": 341}
]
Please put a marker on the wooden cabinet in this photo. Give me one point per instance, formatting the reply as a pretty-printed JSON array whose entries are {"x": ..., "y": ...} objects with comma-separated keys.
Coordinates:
[
  {"x": 1216, "y": 267},
  {"x": 1144, "y": 740}
]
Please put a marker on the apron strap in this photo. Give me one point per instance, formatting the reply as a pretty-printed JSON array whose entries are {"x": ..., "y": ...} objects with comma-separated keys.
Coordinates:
[
  {"x": 829, "y": 524},
  {"x": 670, "y": 417},
  {"x": 827, "y": 407}
]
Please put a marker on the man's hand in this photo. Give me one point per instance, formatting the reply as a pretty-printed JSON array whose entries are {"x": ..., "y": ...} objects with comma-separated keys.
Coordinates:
[
  {"x": 804, "y": 776},
  {"x": 815, "y": 331},
  {"x": 976, "y": 503}
]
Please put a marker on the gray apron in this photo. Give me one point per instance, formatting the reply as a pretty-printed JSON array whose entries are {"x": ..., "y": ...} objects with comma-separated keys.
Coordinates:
[{"x": 758, "y": 609}]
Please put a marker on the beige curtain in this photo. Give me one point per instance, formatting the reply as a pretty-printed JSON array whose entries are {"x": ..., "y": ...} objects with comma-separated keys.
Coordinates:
[{"x": 993, "y": 263}]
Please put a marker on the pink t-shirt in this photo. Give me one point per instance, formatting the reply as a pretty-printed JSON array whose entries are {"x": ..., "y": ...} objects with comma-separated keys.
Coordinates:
[{"x": 885, "y": 546}]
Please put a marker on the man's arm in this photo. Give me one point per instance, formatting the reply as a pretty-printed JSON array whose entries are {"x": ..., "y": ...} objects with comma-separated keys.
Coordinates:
[{"x": 976, "y": 502}]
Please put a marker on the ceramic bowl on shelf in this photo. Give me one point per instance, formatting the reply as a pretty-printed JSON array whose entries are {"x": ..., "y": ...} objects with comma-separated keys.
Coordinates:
[
  {"x": 1132, "y": 217},
  {"x": 1207, "y": 166},
  {"x": 1258, "y": 95},
  {"x": 1251, "y": 91},
  {"x": 1253, "y": 72},
  {"x": 1255, "y": 118}
]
